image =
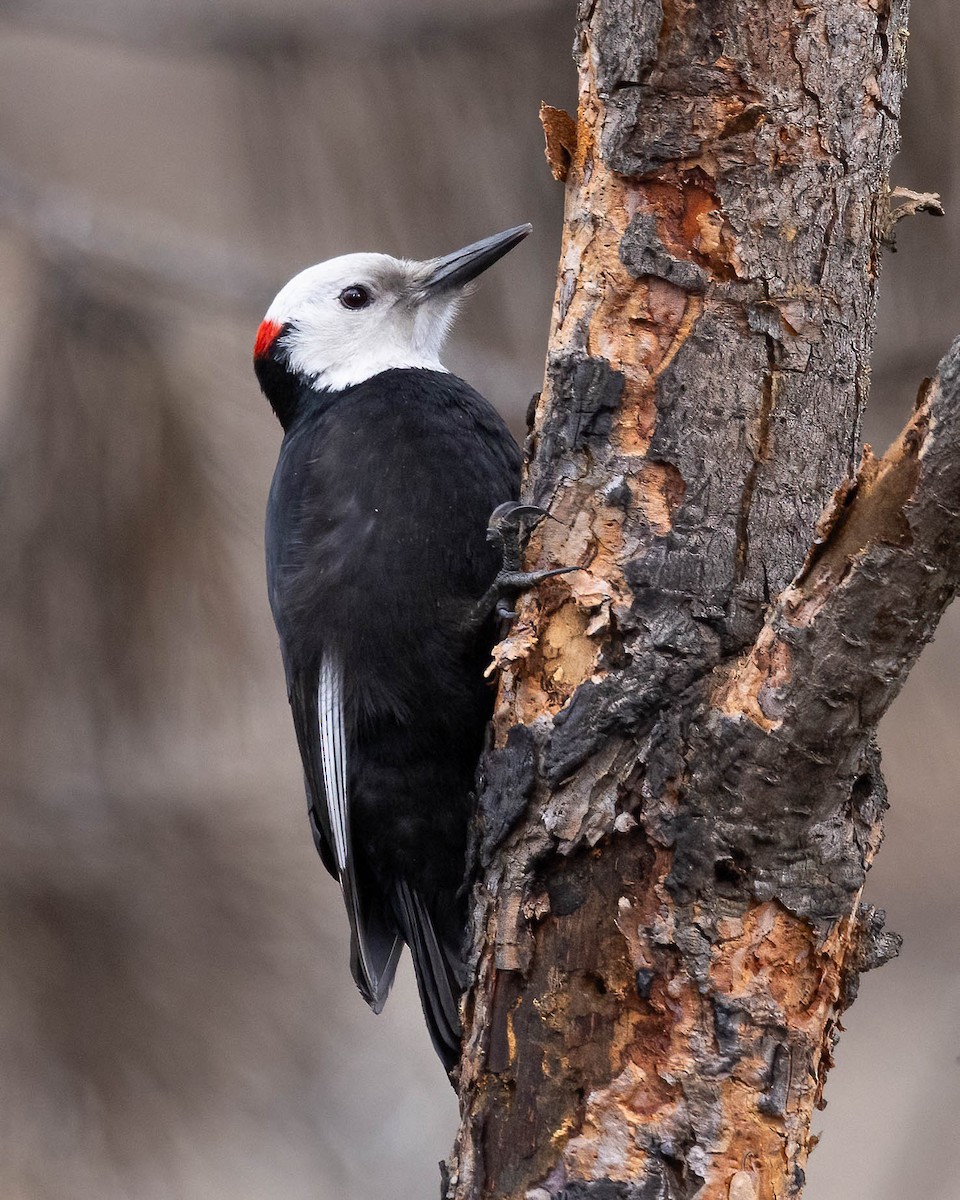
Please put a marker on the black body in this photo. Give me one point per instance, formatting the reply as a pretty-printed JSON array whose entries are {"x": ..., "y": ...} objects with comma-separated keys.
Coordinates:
[{"x": 376, "y": 558}]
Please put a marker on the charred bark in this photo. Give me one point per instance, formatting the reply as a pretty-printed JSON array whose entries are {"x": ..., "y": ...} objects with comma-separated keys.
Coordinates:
[{"x": 684, "y": 794}]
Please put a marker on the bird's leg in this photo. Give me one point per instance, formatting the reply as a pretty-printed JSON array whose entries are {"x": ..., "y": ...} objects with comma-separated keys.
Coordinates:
[{"x": 507, "y": 528}]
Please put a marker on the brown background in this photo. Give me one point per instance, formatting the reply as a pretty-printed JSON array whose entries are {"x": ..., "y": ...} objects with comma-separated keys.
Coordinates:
[{"x": 176, "y": 1014}]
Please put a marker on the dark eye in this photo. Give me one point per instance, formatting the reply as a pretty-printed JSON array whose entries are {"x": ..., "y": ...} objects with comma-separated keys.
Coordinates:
[{"x": 355, "y": 296}]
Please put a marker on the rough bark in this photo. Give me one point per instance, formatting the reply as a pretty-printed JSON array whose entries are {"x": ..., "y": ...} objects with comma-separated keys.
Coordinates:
[{"x": 684, "y": 794}]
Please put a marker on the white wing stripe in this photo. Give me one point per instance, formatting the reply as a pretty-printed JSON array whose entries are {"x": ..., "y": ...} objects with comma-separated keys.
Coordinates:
[{"x": 333, "y": 754}]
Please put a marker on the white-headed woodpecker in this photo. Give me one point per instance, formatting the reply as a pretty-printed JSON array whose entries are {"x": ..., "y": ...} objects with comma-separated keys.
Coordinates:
[{"x": 384, "y": 586}]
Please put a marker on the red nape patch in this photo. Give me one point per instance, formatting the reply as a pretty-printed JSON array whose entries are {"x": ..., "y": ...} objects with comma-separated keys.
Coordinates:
[{"x": 267, "y": 334}]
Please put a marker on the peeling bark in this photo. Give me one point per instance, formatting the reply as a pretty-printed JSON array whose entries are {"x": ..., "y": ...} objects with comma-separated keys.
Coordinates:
[{"x": 684, "y": 794}]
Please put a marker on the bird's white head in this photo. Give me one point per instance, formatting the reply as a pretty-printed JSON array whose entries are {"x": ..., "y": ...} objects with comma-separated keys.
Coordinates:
[{"x": 345, "y": 320}]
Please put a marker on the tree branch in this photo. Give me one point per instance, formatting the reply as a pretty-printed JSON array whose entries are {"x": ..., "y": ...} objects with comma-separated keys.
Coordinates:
[
  {"x": 841, "y": 639},
  {"x": 684, "y": 795}
]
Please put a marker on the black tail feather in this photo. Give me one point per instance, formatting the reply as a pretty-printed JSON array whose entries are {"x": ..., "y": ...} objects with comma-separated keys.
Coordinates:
[
  {"x": 375, "y": 943},
  {"x": 438, "y": 970}
]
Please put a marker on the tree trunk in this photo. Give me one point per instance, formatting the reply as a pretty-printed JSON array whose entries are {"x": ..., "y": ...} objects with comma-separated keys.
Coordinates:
[{"x": 684, "y": 793}]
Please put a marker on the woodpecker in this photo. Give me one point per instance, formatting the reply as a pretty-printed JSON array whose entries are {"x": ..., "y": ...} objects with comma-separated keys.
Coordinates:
[{"x": 387, "y": 591}]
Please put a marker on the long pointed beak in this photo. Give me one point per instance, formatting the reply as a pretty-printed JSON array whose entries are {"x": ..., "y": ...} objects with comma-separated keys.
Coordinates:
[{"x": 454, "y": 270}]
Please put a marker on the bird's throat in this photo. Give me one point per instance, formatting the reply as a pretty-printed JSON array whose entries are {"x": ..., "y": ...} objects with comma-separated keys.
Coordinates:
[{"x": 281, "y": 386}]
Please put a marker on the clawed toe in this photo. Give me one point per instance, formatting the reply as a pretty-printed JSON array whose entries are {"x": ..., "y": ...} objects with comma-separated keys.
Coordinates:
[
  {"x": 511, "y": 516},
  {"x": 513, "y": 583},
  {"x": 509, "y": 524}
]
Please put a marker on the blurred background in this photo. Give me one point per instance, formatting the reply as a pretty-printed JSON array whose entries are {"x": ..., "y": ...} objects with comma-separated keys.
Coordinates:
[{"x": 177, "y": 1017}]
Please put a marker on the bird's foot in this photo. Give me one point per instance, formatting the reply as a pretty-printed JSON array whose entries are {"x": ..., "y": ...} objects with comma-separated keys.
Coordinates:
[
  {"x": 510, "y": 584},
  {"x": 509, "y": 526}
]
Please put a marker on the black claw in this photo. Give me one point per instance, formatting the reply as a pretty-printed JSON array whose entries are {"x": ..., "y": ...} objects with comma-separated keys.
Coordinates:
[
  {"x": 511, "y": 516},
  {"x": 507, "y": 526}
]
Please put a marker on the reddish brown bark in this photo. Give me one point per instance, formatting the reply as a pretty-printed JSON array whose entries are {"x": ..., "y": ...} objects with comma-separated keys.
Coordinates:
[{"x": 684, "y": 795}]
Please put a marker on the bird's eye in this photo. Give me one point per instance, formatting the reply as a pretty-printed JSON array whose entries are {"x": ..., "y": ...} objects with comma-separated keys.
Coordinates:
[{"x": 355, "y": 296}]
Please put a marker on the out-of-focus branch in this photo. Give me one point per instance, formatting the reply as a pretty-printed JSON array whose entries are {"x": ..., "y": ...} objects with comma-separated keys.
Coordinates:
[
  {"x": 66, "y": 225},
  {"x": 302, "y": 27}
]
